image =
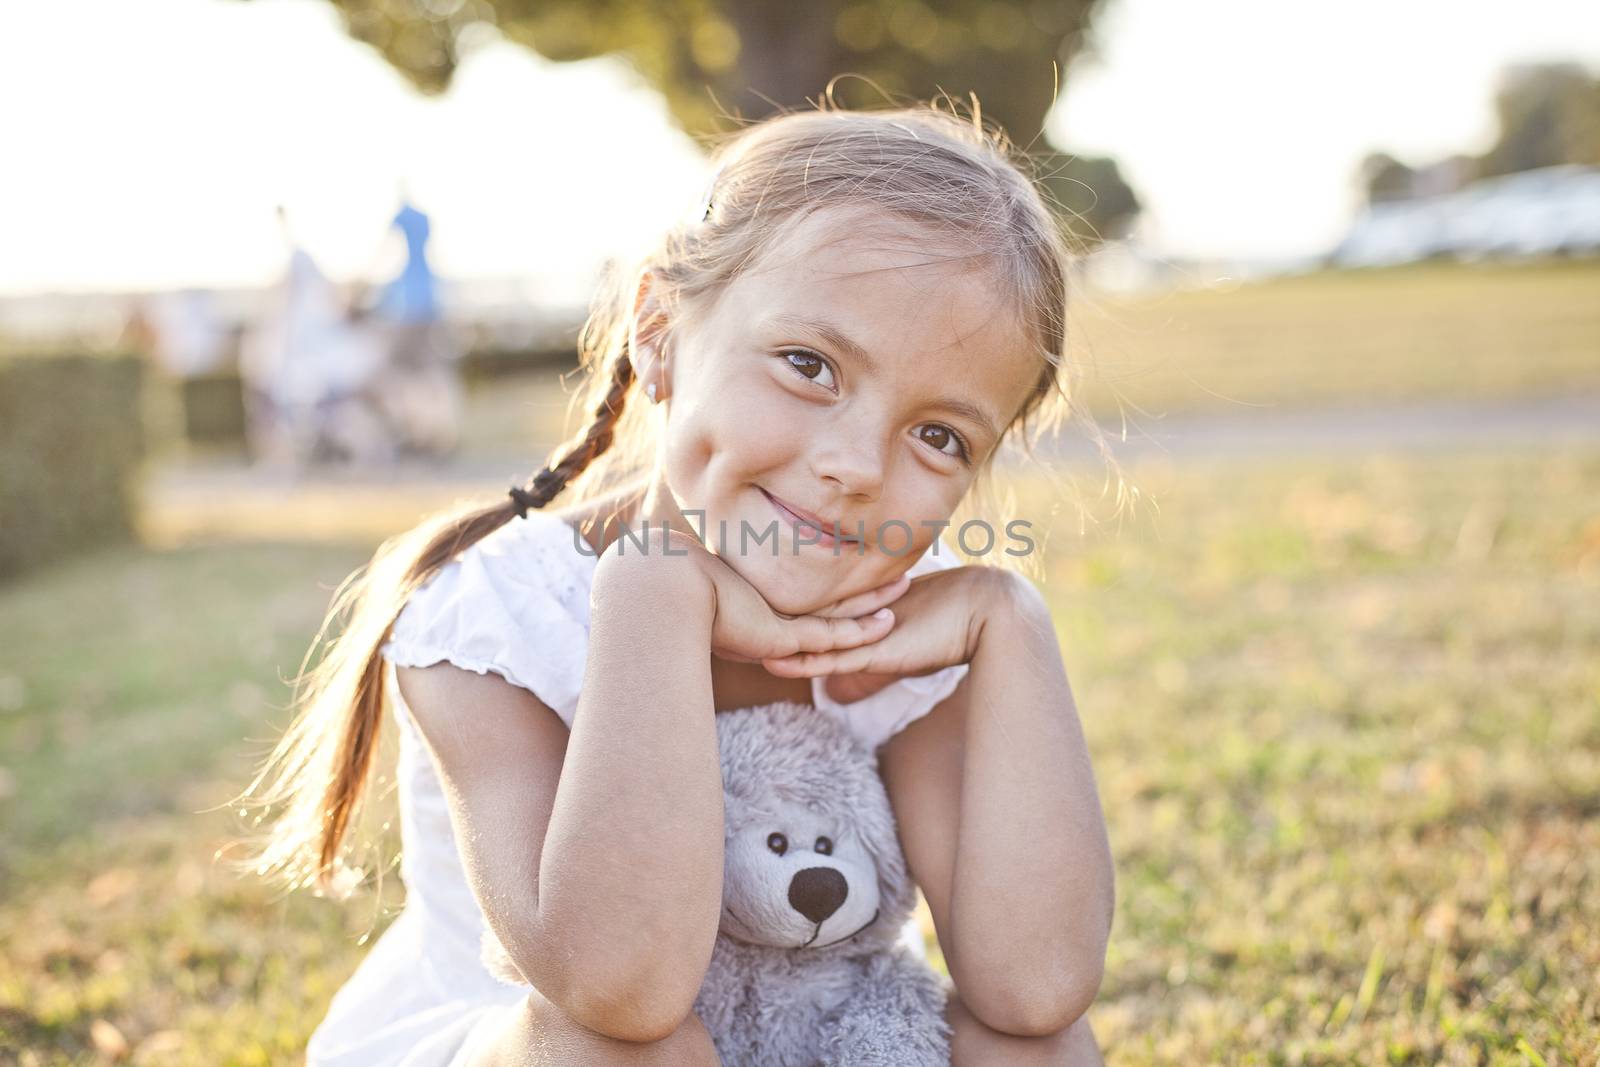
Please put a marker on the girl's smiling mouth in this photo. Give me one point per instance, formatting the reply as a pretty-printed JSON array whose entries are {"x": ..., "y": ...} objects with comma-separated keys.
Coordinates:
[{"x": 801, "y": 519}]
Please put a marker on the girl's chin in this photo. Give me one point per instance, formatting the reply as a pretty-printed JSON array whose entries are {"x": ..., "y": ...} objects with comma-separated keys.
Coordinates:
[{"x": 791, "y": 586}]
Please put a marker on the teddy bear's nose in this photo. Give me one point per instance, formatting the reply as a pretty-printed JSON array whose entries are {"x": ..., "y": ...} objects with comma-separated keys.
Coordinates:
[{"x": 817, "y": 892}]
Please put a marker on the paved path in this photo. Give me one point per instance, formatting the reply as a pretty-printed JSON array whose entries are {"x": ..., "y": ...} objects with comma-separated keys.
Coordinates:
[{"x": 1567, "y": 421}]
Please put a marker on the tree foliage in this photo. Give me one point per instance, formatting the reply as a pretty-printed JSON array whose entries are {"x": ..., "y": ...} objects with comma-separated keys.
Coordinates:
[
  {"x": 713, "y": 59},
  {"x": 1384, "y": 177},
  {"x": 1095, "y": 202},
  {"x": 1549, "y": 114}
]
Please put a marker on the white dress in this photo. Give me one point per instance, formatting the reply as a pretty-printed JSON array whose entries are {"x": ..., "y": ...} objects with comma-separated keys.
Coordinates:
[{"x": 516, "y": 604}]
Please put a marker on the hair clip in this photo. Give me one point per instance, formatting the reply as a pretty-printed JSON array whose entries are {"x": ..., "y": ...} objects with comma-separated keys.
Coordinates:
[
  {"x": 524, "y": 500},
  {"x": 546, "y": 485}
]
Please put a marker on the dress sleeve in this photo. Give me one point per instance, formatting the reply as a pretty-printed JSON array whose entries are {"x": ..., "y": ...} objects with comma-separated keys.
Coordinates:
[
  {"x": 877, "y": 717},
  {"x": 516, "y": 603}
]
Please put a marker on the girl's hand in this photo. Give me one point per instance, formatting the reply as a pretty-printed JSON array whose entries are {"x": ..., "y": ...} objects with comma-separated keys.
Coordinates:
[
  {"x": 744, "y": 626},
  {"x": 940, "y": 621}
]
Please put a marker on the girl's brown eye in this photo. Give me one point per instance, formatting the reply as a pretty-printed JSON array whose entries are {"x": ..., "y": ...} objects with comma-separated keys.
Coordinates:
[
  {"x": 941, "y": 438},
  {"x": 810, "y": 366}
]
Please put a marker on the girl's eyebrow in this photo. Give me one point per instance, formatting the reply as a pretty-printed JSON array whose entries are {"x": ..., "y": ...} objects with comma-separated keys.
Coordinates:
[
  {"x": 836, "y": 337},
  {"x": 828, "y": 332},
  {"x": 970, "y": 411}
]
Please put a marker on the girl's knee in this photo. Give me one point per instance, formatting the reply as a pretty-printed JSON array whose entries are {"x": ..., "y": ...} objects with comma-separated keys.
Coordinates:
[{"x": 539, "y": 1034}]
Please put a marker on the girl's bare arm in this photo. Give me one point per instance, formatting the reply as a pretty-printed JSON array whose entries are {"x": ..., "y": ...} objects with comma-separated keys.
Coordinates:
[
  {"x": 605, "y": 888},
  {"x": 1002, "y": 825}
]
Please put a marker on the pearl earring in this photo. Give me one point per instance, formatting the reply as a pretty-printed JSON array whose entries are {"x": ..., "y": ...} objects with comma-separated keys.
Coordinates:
[{"x": 650, "y": 391}]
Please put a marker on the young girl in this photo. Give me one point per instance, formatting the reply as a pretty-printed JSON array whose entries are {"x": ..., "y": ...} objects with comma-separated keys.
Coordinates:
[{"x": 833, "y": 349}]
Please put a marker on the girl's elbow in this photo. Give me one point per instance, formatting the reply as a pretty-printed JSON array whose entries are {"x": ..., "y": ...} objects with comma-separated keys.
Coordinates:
[
  {"x": 634, "y": 1015},
  {"x": 639, "y": 987},
  {"x": 647, "y": 1003},
  {"x": 1038, "y": 1005},
  {"x": 634, "y": 1001},
  {"x": 644, "y": 999}
]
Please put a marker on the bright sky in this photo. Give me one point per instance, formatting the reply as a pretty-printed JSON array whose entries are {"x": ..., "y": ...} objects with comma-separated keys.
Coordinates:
[
  {"x": 146, "y": 144},
  {"x": 157, "y": 137},
  {"x": 1241, "y": 122}
]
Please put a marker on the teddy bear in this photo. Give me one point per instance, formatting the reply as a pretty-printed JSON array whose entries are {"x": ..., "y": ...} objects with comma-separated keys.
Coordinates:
[{"x": 808, "y": 968}]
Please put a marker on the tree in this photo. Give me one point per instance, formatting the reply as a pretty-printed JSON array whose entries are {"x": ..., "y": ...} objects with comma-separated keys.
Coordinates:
[
  {"x": 1095, "y": 203},
  {"x": 1549, "y": 114},
  {"x": 746, "y": 57},
  {"x": 1383, "y": 177}
]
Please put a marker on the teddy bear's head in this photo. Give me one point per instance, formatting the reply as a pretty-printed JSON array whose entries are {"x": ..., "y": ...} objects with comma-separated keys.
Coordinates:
[{"x": 813, "y": 861}]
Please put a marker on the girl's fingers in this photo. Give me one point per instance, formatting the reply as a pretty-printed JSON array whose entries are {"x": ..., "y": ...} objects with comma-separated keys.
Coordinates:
[
  {"x": 868, "y": 602},
  {"x": 813, "y": 633},
  {"x": 803, "y": 665},
  {"x": 816, "y": 664}
]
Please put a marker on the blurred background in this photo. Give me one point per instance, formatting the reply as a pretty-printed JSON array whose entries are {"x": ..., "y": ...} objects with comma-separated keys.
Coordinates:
[{"x": 279, "y": 277}]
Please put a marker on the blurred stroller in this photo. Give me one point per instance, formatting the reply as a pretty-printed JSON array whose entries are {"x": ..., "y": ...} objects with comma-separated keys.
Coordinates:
[
  {"x": 329, "y": 379},
  {"x": 310, "y": 372}
]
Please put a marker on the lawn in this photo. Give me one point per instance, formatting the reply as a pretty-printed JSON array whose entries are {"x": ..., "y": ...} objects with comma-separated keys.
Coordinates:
[
  {"x": 1345, "y": 718},
  {"x": 1346, "y": 721},
  {"x": 1425, "y": 332}
]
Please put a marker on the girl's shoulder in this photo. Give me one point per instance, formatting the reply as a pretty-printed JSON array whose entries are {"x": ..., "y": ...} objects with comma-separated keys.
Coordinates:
[{"x": 515, "y": 604}]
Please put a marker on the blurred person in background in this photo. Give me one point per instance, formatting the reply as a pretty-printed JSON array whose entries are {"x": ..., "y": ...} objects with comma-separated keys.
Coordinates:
[
  {"x": 420, "y": 390},
  {"x": 310, "y": 374}
]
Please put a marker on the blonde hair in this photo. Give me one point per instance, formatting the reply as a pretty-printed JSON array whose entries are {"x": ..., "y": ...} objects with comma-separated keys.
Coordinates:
[{"x": 921, "y": 164}]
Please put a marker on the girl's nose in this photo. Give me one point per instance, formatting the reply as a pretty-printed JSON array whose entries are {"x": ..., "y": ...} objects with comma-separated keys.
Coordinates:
[{"x": 854, "y": 463}]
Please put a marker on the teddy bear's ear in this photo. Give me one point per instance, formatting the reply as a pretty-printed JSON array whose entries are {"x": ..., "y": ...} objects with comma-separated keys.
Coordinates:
[{"x": 874, "y": 825}]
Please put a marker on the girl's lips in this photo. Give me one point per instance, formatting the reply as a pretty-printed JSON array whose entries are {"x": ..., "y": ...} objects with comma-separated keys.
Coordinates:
[{"x": 822, "y": 529}]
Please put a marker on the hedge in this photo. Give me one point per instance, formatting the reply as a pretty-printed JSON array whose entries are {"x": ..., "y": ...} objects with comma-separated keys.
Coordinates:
[{"x": 71, "y": 441}]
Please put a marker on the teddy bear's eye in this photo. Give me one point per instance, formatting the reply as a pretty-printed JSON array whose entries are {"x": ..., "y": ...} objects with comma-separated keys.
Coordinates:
[
  {"x": 825, "y": 845},
  {"x": 778, "y": 843}
]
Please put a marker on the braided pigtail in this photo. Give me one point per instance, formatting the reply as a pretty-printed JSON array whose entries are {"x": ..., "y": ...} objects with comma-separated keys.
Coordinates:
[{"x": 549, "y": 482}]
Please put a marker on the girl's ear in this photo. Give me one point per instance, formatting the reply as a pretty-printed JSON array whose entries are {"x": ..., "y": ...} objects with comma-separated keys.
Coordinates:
[{"x": 647, "y": 336}]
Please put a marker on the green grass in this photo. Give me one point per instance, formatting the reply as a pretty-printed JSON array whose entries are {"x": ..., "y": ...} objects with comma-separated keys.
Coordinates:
[
  {"x": 1346, "y": 721},
  {"x": 136, "y": 687},
  {"x": 1345, "y": 717},
  {"x": 1417, "y": 333},
  {"x": 126, "y": 673}
]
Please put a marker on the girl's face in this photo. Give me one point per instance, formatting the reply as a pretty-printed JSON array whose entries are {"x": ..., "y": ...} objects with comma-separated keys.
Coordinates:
[{"x": 857, "y": 375}]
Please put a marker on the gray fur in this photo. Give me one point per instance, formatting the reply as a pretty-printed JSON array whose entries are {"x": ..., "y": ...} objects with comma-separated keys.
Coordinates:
[{"x": 781, "y": 990}]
